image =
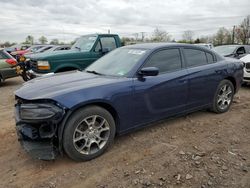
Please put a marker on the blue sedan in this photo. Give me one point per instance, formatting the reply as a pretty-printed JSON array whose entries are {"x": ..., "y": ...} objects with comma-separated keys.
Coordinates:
[{"x": 79, "y": 113}]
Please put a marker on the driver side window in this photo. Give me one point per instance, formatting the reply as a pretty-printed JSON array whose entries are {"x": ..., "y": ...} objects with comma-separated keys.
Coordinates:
[
  {"x": 108, "y": 43},
  {"x": 165, "y": 60},
  {"x": 98, "y": 47}
]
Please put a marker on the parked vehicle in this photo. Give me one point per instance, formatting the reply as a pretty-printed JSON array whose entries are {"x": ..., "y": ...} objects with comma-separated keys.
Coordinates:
[
  {"x": 23, "y": 65},
  {"x": 207, "y": 45},
  {"x": 58, "y": 48},
  {"x": 19, "y": 53},
  {"x": 48, "y": 48},
  {"x": 246, "y": 60},
  {"x": 17, "y": 47},
  {"x": 6, "y": 62},
  {"x": 40, "y": 50},
  {"x": 85, "y": 51},
  {"x": 80, "y": 112},
  {"x": 235, "y": 51}
]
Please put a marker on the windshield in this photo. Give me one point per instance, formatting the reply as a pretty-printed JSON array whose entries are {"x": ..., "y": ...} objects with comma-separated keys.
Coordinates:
[
  {"x": 85, "y": 43},
  {"x": 224, "y": 50},
  {"x": 117, "y": 63}
]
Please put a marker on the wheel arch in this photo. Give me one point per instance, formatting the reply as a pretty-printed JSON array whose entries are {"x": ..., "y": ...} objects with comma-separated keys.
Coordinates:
[
  {"x": 232, "y": 79},
  {"x": 102, "y": 104}
]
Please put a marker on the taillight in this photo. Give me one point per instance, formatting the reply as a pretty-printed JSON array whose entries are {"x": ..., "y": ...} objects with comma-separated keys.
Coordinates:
[{"x": 11, "y": 61}]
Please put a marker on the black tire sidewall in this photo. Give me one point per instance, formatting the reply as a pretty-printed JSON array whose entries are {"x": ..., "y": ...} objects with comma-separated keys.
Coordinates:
[
  {"x": 216, "y": 108},
  {"x": 71, "y": 125}
]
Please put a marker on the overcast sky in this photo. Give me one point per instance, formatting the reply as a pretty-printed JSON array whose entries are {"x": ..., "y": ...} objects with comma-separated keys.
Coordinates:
[{"x": 68, "y": 19}]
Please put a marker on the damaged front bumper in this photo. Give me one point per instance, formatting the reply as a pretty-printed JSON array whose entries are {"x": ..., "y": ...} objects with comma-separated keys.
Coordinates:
[{"x": 37, "y": 126}]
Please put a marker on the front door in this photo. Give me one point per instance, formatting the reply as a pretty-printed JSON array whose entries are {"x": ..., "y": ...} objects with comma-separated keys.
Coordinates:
[{"x": 156, "y": 97}]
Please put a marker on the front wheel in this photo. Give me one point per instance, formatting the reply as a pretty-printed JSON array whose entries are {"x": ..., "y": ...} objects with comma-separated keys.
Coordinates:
[
  {"x": 88, "y": 133},
  {"x": 223, "y": 97}
]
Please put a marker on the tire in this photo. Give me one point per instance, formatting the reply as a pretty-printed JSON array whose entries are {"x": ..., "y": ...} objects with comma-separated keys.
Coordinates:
[
  {"x": 88, "y": 133},
  {"x": 27, "y": 76},
  {"x": 223, "y": 97}
]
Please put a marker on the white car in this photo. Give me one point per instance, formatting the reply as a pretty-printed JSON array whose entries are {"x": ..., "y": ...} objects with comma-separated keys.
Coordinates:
[
  {"x": 207, "y": 45},
  {"x": 246, "y": 60}
]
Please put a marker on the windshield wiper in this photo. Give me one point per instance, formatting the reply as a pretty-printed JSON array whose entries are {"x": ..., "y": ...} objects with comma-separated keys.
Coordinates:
[{"x": 94, "y": 72}]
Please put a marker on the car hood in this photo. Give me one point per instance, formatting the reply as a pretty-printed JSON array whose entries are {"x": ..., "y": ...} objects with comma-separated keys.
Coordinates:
[
  {"x": 246, "y": 58},
  {"x": 53, "y": 86},
  {"x": 54, "y": 55}
]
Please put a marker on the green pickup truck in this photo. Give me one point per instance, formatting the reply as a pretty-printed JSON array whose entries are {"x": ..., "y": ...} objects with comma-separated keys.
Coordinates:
[{"x": 85, "y": 51}]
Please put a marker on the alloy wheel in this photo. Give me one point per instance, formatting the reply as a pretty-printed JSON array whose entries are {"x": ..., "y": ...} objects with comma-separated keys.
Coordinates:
[
  {"x": 91, "y": 134},
  {"x": 224, "y": 97}
]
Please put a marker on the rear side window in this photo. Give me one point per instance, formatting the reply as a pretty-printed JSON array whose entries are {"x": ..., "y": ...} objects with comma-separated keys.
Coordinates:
[
  {"x": 165, "y": 60},
  {"x": 108, "y": 42},
  {"x": 195, "y": 57}
]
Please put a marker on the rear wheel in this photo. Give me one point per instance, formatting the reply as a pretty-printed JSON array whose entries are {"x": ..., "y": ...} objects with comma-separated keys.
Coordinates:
[
  {"x": 223, "y": 97},
  {"x": 88, "y": 133}
]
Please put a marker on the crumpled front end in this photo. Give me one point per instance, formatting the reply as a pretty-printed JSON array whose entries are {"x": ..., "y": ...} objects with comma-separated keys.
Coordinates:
[{"x": 37, "y": 126}]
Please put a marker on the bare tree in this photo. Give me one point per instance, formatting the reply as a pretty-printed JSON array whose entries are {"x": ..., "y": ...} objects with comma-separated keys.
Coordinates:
[
  {"x": 54, "y": 41},
  {"x": 242, "y": 32},
  {"x": 223, "y": 36},
  {"x": 188, "y": 36},
  {"x": 29, "y": 39},
  {"x": 43, "y": 40},
  {"x": 161, "y": 36}
]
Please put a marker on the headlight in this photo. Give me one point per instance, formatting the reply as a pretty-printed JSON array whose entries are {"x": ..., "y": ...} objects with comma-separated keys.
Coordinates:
[
  {"x": 43, "y": 65},
  {"x": 40, "y": 111}
]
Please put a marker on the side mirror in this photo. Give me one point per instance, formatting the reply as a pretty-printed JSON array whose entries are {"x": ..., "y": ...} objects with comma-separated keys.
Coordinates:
[
  {"x": 149, "y": 71},
  {"x": 105, "y": 50}
]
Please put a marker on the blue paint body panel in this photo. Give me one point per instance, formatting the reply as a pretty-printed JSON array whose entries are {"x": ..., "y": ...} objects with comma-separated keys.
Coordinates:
[{"x": 138, "y": 101}]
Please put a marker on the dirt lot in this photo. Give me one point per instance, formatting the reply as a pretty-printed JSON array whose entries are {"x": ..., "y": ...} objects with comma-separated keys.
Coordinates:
[{"x": 202, "y": 149}]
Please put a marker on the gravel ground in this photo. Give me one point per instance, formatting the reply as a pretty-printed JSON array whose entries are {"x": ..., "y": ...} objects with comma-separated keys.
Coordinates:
[{"x": 201, "y": 149}]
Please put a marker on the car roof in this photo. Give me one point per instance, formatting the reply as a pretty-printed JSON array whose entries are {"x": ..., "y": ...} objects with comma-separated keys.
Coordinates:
[
  {"x": 233, "y": 45},
  {"x": 98, "y": 34},
  {"x": 152, "y": 46}
]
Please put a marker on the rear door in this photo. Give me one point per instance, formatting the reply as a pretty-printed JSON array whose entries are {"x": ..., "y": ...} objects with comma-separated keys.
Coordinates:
[
  {"x": 156, "y": 97},
  {"x": 204, "y": 75}
]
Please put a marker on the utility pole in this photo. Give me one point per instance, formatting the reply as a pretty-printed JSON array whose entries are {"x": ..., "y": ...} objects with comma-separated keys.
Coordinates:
[
  {"x": 108, "y": 31},
  {"x": 233, "y": 34}
]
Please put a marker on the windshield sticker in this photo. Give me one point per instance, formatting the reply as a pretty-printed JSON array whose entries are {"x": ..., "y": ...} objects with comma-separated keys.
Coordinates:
[
  {"x": 136, "y": 52},
  {"x": 121, "y": 73}
]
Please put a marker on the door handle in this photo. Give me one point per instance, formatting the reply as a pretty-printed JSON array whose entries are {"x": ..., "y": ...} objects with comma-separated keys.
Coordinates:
[{"x": 218, "y": 71}]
